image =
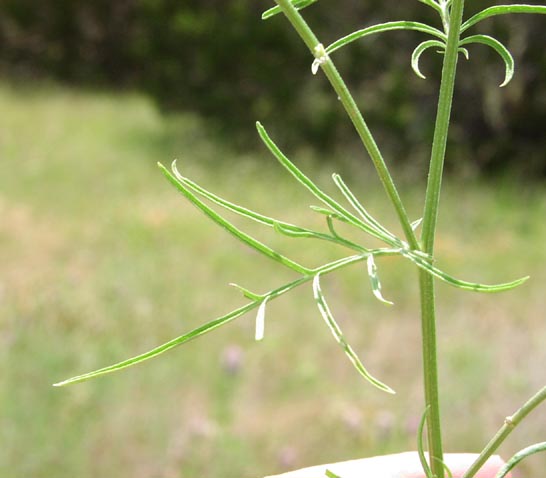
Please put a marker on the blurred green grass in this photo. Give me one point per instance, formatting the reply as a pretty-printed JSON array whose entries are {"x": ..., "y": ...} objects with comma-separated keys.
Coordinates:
[{"x": 101, "y": 259}]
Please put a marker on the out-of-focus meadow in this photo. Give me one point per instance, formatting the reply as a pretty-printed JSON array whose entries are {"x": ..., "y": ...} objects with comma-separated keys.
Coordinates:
[{"x": 101, "y": 259}]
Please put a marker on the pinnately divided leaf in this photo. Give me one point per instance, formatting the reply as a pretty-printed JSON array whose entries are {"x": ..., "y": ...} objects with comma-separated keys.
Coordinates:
[
  {"x": 338, "y": 335},
  {"x": 496, "y": 45},
  {"x": 214, "y": 324}
]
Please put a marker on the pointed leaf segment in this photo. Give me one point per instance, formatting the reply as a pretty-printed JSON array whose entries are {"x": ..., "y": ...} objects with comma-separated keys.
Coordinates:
[
  {"x": 421, "y": 449},
  {"x": 520, "y": 456},
  {"x": 338, "y": 335},
  {"x": 333, "y": 210},
  {"x": 421, "y": 446},
  {"x": 374, "y": 280},
  {"x": 502, "y": 10},
  {"x": 260, "y": 321},
  {"x": 499, "y": 48}
]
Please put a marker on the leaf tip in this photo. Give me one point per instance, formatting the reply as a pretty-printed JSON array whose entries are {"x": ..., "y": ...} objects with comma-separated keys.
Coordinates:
[{"x": 260, "y": 321}]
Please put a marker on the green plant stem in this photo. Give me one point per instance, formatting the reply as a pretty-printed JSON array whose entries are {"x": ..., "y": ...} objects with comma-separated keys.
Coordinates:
[
  {"x": 348, "y": 102},
  {"x": 428, "y": 312},
  {"x": 510, "y": 423}
]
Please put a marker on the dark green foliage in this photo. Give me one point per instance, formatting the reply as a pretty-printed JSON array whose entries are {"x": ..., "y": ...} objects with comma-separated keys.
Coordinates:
[{"x": 218, "y": 58}]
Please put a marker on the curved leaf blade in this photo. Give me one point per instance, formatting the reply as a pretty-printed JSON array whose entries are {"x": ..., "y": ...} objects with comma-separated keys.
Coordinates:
[
  {"x": 461, "y": 284},
  {"x": 519, "y": 456},
  {"x": 260, "y": 321},
  {"x": 496, "y": 45},
  {"x": 420, "y": 444},
  {"x": 374, "y": 281},
  {"x": 501, "y": 10},
  {"x": 385, "y": 27},
  {"x": 419, "y": 50},
  {"x": 340, "y": 339}
]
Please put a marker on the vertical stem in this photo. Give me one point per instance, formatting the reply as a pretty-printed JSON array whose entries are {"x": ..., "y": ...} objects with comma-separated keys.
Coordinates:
[
  {"x": 432, "y": 199},
  {"x": 344, "y": 95}
]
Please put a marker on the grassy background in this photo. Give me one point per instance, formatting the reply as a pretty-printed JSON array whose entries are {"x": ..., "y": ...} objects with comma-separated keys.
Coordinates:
[{"x": 102, "y": 259}]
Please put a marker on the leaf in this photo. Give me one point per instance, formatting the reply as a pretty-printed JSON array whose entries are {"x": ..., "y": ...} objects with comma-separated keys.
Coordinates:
[
  {"x": 208, "y": 327},
  {"x": 298, "y": 5},
  {"x": 323, "y": 210},
  {"x": 242, "y": 211},
  {"x": 501, "y": 10},
  {"x": 419, "y": 50},
  {"x": 260, "y": 321},
  {"x": 385, "y": 27},
  {"x": 297, "y": 232},
  {"x": 380, "y": 231},
  {"x": 247, "y": 293},
  {"x": 420, "y": 446},
  {"x": 331, "y": 474},
  {"x": 499, "y": 48},
  {"x": 282, "y": 227},
  {"x": 464, "y": 51},
  {"x": 341, "y": 240},
  {"x": 374, "y": 280},
  {"x": 214, "y": 324},
  {"x": 338, "y": 335},
  {"x": 307, "y": 183},
  {"x": 423, "y": 263},
  {"x": 519, "y": 456},
  {"x": 416, "y": 224},
  {"x": 242, "y": 236},
  {"x": 447, "y": 469}
]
